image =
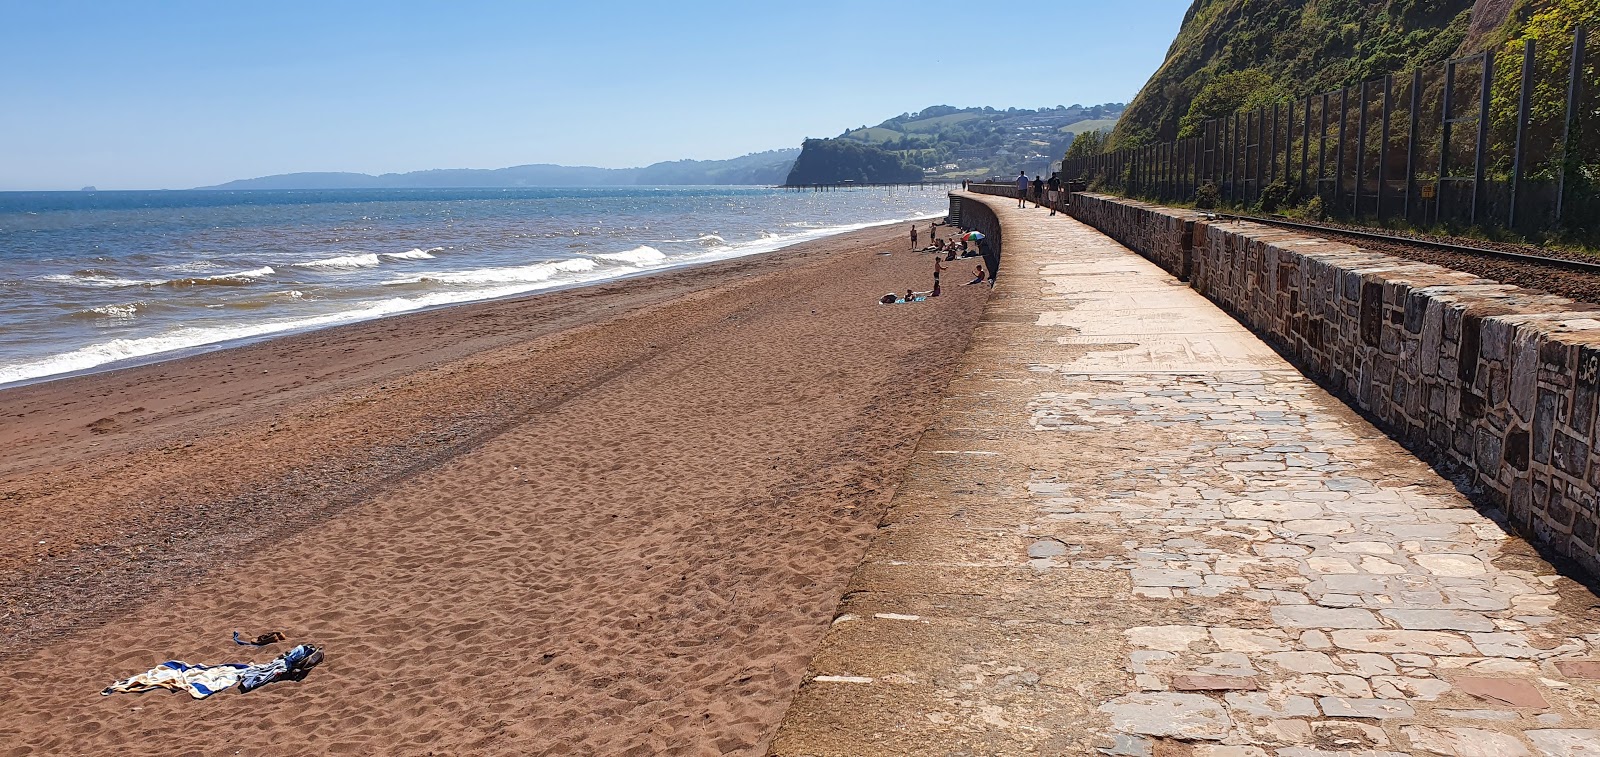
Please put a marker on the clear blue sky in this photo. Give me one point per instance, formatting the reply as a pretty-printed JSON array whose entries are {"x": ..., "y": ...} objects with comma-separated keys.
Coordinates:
[{"x": 128, "y": 95}]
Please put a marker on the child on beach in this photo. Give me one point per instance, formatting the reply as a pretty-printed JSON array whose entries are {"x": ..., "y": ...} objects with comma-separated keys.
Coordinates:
[
  {"x": 977, "y": 276},
  {"x": 913, "y": 237}
]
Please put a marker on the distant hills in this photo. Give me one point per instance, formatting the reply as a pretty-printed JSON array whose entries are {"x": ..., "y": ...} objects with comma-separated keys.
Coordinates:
[
  {"x": 762, "y": 168},
  {"x": 941, "y": 142}
]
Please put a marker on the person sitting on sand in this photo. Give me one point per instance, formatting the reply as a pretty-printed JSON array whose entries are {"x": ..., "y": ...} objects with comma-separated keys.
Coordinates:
[{"x": 977, "y": 276}]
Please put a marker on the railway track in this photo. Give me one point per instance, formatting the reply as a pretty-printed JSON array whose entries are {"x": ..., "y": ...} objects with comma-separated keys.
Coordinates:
[{"x": 1563, "y": 274}]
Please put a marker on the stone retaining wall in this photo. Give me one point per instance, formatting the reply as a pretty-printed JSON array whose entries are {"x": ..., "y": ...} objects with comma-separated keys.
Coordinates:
[
  {"x": 978, "y": 217},
  {"x": 1498, "y": 381},
  {"x": 1163, "y": 235}
]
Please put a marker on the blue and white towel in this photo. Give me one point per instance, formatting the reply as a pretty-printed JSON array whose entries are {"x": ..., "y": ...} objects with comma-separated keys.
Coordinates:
[{"x": 202, "y": 681}]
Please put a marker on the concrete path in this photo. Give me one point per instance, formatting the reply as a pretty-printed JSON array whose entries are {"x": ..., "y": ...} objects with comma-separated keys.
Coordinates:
[{"x": 1135, "y": 530}]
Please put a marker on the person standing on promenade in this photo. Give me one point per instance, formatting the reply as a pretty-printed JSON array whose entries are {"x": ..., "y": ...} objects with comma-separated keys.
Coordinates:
[
  {"x": 1038, "y": 191},
  {"x": 1053, "y": 193},
  {"x": 1022, "y": 189},
  {"x": 913, "y": 237}
]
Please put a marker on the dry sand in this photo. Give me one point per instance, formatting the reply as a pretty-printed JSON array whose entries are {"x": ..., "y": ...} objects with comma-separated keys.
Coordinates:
[{"x": 613, "y": 520}]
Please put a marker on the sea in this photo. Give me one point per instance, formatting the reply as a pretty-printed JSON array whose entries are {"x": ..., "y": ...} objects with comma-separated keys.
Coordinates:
[{"x": 93, "y": 280}]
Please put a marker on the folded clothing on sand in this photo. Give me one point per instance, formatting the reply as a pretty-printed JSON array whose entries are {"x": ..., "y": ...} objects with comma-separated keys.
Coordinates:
[
  {"x": 270, "y": 637},
  {"x": 202, "y": 681}
]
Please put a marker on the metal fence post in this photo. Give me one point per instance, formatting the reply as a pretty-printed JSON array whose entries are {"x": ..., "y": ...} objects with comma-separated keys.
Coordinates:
[
  {"x": 1305, "y": 146},
  {"x": 1574, "y": 89},
  {"x": 1483, "y": 136},
  {"x": 1272, "y": 149},
  {"x": 1444, "y": 139},
  {"x": 1338, "y": 159},
  {"x": 1261, "y": 124},
  {"x": 1361, "y": 153},
  {"x": 1411, "y": 140},
  {"x": 1322, "y": 146},
  {"x": 1383, "y": 145}
]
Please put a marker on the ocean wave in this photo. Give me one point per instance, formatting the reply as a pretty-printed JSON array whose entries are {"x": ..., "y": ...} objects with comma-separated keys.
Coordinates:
[
  {"x": 710, "y": 240},
  {"x": 345, "y": 262},
  {"x": 238, "y": 278},
  {"x": 97, "y": 280},
  {"x": 520, "y": 274},
  {"x": 119, "y": 311},
  {"x": 642, "y": 255},
  {"x": 413, "y": 254},
  {"x": 192, "y": 337}
]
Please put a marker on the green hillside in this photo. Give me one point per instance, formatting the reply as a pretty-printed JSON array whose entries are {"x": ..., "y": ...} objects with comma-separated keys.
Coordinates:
[
  {"x": 944, "y": 142},
  {"x": 1232, "y": 54}
]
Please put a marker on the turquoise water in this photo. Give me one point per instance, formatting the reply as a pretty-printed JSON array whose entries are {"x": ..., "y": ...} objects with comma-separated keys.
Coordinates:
[{"x": 92, "y": 278}]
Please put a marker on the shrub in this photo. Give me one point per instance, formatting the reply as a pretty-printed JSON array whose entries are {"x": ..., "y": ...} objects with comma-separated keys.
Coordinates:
[
  {"x": 1315, "y": 210},
  {"x": 1207, "y": 197},
  {"x": 1275, "y": 196}
]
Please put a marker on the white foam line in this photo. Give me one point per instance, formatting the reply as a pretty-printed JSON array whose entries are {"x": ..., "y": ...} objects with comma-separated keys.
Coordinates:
[{"x": 184, "y": 340}]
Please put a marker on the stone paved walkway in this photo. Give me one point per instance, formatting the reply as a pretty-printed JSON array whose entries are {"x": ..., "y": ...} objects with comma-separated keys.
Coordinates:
[{"x": 1135, "y": 530}]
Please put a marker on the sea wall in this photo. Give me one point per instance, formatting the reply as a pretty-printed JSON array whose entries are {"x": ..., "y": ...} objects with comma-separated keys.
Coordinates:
[
  {"x": 1164, "y": 235},
  {"x": 1493, "y": 381},
  {"x": 976, "y": 216}
]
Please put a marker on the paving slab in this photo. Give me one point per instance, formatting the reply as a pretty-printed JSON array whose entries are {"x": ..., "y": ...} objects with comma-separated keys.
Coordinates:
[{"x": 1134, "y": 529}]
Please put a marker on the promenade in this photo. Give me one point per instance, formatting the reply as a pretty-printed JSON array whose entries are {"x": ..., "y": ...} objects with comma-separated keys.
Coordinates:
[{"x": 1135, "y": 530}]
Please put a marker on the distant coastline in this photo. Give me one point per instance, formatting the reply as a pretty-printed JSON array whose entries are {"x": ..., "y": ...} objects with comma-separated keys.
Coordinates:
[{"x": 756, "y": 169}]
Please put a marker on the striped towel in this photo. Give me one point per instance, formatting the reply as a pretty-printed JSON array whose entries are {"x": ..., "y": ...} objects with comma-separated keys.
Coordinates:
[{"x": 202, "y": 681}]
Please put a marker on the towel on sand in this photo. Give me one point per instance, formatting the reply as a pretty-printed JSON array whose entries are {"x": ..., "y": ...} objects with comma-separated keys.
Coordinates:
[{"x": 202, "y": 681}]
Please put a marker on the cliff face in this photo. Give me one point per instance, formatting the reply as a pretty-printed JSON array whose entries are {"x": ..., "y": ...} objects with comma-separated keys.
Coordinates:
[
  {"x": 829, "y": 161},
  {"x": 1232, "y": 54}
]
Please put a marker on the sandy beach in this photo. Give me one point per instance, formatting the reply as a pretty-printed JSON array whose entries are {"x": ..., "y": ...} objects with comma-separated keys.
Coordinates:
[{"x": 609, "y": 520}]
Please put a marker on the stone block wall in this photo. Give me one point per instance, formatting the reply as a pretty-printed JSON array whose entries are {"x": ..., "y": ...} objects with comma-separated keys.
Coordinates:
[
  {"x": 978, "y": 217},
  {"x": 1487, "y": 378},
  {"x": 1164, "y": 235}
]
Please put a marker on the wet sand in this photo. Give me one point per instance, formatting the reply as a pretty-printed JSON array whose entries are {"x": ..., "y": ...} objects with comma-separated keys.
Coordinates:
[{"x": 612, "y": 520}]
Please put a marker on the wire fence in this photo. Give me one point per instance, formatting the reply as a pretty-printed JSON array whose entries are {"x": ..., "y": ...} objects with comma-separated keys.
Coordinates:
[{"x": 1505, "y": 139}]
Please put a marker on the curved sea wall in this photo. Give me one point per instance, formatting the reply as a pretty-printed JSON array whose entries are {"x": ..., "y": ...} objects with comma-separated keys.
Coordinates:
[
  {"x": 977, "y": 216},
  {"x": 1491, "y": 380}
]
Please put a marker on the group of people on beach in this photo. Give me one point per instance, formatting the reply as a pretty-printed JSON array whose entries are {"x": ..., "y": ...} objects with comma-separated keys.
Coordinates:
[
  {"x": 945, "y": 250},
  {"x": 1040, "y": 191}
]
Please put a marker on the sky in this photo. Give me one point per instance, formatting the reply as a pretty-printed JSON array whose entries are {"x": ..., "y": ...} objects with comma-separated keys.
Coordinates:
[{"x": 130, "y": 94}]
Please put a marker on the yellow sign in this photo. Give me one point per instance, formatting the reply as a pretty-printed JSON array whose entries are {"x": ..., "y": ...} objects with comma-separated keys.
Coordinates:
[{"x": 1427, "y": 191}]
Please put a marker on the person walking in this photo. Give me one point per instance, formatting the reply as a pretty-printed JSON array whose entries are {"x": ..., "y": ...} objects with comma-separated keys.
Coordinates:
[
  {"x": 913, "y": 237},
  {"x": 1022, "y": 189},
  {"x": 1038, "y": 191},
  {"x": 1052, "y": 190}
]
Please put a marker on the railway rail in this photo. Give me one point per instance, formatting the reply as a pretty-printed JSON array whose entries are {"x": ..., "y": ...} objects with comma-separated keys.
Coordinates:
[{"x": 1566, "y": 275}]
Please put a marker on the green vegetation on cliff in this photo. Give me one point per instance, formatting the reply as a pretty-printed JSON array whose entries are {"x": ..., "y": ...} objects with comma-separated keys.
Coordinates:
[
  {"x": 1233, "y": 54},
  {"x": 829, "y": 161},
  {"x": 946, "y": 142}
]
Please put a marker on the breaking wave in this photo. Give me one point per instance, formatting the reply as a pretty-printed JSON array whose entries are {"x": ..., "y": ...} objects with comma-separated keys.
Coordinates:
[{"x": 642, "y": 255}]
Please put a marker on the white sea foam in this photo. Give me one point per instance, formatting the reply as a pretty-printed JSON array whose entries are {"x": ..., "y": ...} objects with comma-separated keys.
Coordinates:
[
  {"x": 497, "y": 282},
  {"x": 642, "y": 255},
  {"x": 190, "y": 337},
  {"x": 710, "y": 240},
  {"x": 360, "y": 260},
  {"x": 116, "y": 311},
  {"x": 225, "y": 279},
  {"x": 96, "y": 281},
  {"x": 414, "y": 254},
  {"x": 520, "y": 274}
]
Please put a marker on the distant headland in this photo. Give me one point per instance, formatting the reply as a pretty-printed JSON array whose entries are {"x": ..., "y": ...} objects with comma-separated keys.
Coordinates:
[{"x": 938, "y": 143}]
